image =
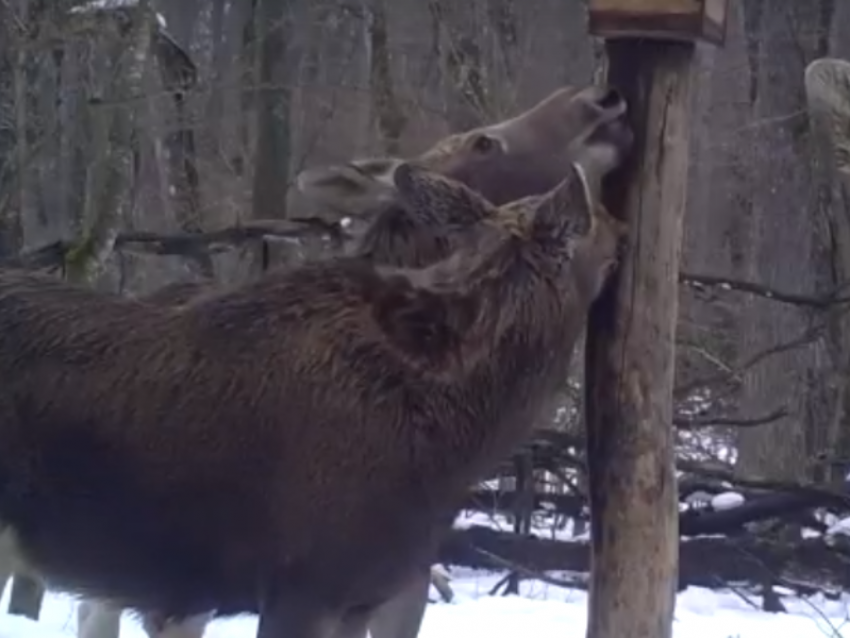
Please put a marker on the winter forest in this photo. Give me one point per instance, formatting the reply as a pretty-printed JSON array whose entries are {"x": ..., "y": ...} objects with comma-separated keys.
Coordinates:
[{"x": 148, "y": 145}]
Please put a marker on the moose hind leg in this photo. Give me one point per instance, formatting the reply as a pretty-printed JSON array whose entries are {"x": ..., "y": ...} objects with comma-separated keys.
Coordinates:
[
  {"x": 98, "y": 619},
  {"x": 401, "y": 616},
  {"x": 353, "y": 626},
  {"x": 188, "y": 627},
  {"x": 283, "y": 616}
]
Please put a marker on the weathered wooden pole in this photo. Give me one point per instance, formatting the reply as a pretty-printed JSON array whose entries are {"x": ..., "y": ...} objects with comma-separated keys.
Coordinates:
[{"x": 630, "y": 355}]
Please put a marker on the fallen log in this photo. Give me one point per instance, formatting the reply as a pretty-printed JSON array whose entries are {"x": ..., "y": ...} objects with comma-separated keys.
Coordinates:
[
  {"x": 691, "y": 523},
  {"x": 711, "y": 562}
]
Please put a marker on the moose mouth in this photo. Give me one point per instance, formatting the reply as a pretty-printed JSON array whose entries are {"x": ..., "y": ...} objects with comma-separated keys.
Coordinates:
[{"x": 615, "y": 133}]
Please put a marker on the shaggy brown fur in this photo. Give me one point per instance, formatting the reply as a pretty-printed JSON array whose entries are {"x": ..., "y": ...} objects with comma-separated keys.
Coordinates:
[
  {"x": 398, "y": 617},
  {"x": 162, "y": 457},
  {"x": 247, "y": 387},
  {"x": 412, "y": 238},
  {"x": 546, "y": 138}
]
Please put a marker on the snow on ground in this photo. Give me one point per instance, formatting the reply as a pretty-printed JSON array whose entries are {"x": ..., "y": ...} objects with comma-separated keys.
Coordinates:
[
  {"x": 727, "y": 501},
  {"x": 542, "y": 611}
]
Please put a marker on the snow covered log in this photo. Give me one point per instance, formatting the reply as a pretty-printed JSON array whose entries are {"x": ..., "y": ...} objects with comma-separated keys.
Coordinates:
[{"x": 807, "y": 566}]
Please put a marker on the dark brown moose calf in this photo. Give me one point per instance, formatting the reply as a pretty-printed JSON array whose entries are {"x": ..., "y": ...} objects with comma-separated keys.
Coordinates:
[
  {"x": 523, "y": 156},
  {"x": 296, "y": 446}
]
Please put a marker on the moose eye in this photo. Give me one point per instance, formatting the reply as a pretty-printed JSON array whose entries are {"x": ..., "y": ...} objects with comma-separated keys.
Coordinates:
[{"x": 484, "y": 144}]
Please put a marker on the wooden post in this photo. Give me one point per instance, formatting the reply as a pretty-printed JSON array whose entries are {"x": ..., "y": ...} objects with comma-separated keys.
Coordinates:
[{"x": 630, "y": 356}]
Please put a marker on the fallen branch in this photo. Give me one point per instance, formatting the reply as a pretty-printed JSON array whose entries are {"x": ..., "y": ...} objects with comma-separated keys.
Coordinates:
[
  {"x": 791, "y": 503},
  {"x": 189, "y": 244},
  {"x": 53, "y": 255},
  {"x": 222, "y": 239},
  {"x": 497, "y": 562},
  {"x": 719, "y": 472},
  {"x": 704, "y": 420},
  {"x": 730, "y": 521},
  {"x": 704, "y": 562},
  {"x": 766, "y": 292}
]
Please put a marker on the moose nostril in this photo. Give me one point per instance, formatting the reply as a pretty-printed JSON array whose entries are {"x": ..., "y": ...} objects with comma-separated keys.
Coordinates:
[{"x": 610, "y": 98}]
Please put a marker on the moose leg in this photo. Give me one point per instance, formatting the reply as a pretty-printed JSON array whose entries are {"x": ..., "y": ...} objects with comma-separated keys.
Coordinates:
[
  {"x": 97, "y": 619},
  {"x": 354, "y": 626},
  {"x": 190, "y": 627},
  {"x": 288, "y": 615},
  {"x": 401, "y": 616},
  {"x": 7, "y": 558}
]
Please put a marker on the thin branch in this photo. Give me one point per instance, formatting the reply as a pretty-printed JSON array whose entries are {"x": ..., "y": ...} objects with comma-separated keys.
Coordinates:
[
  {"x": 701, "y": 421},
  {"x": 807, "y": 337},
  {"x": 191, "y": 243},
  {"x": 528, "y": 574},
  {"x": 740, "y": 593},
  {"x": 222, "y": 239},
  {"x": 51, "y": 256},
  {"x": 767, "y": 292}
]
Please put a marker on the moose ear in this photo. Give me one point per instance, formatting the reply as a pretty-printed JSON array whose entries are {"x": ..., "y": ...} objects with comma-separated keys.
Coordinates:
[
  {"x": 355, "y": 177},
  {"x": 568, "y": 208},
  {"x": 427, "y": 193},
  {"x": 355, "y": 189},
  {"x": 427, "y": 327}
]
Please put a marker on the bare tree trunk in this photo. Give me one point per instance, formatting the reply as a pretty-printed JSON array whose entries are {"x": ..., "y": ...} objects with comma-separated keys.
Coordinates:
[
  {"x": 386, "y": 109},
  {"x": 215, "y": 103},
  {"x": 110, "y": 169},
  {"x": 24, "y": 138},
  {"x": 247, "y": 13},
  {"x": 179, "y": 77},
  {"x": 274, "y": 100},
  {"x": 273, "y": 105},
  {"x": 459, "y": 43},
  {"x": 10, "y": 218},
  {"x": 783, "y": 196},
  {"x": 828, "y": 98}
]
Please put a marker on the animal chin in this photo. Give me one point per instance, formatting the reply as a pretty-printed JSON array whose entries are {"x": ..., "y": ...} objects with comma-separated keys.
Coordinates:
[{"x": 615, "y": 133}]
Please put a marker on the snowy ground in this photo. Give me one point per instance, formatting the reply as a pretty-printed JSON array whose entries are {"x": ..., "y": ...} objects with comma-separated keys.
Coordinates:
[{"x": 542, "y": 611}]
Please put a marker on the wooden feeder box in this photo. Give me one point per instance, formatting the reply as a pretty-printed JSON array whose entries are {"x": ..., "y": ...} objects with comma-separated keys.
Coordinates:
[{"x": 683, "y": 20}]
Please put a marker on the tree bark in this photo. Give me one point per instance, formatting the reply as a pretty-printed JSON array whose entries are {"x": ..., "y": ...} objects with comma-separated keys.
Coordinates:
[
  {"x": 109, "y": 176},
  {"x": 630, "y": 359},
  {"x": 386, "y": 110},
  {"x": 273, "y": 106},
  {"x": 273, "y": 149}
]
